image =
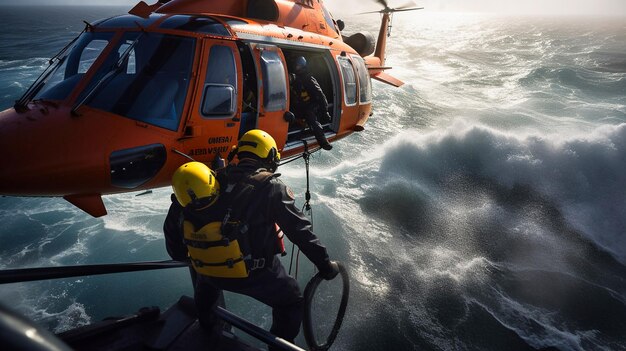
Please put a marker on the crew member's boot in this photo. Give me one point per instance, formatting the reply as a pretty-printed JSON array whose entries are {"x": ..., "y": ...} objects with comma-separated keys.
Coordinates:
[
  {"x": 318, "y": 131},
  {"x": 320, "y": 137}
]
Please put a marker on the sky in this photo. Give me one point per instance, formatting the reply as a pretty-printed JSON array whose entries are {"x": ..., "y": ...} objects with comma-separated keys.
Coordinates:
[{"x": 568, "y": 7}]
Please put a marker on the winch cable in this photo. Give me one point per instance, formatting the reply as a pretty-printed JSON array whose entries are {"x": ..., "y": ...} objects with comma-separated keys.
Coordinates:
[
  {"x": 312, "y": 285},
  {"x": 306, "y": 208}
]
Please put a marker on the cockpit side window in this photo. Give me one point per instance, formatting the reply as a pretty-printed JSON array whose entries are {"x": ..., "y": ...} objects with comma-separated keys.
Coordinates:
[
  {"x": 74, "y": 65},
  {"x": 220, "y": 84},
  {"x": 221, "y": 68}
]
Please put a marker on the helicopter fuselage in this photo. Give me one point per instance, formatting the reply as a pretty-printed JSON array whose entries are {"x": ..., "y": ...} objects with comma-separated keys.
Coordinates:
[{"x": 121, "y": 106}]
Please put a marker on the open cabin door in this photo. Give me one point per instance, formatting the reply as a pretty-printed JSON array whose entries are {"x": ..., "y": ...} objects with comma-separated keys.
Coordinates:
[
  {"x": 273, "y": 92},
  {"x": 214, "y": 120},
  {"x": 322, "y": 67}
]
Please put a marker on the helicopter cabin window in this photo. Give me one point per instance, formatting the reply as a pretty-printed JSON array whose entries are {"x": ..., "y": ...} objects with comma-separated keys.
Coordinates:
[
  {"x": 349, "y": 80},
  {"x": 218, "y": 100},
  {"x": 274, "y": 81},
  {"x": 145, "y": 78},
  {"x": 220, "y": 84},
  {"x": 365, "y": 84},
  {"x": 72, "y": 66}
]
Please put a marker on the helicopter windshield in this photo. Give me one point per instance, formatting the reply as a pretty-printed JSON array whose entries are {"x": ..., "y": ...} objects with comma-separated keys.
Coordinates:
[
  {"x": 72, "y": 66},
  {"x": 151, "y": 83}
]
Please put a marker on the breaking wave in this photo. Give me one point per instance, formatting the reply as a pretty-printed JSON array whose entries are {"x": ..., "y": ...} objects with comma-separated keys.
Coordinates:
[
  {"x": 469, "y": 230},
  {"x": 583, "y": 176},
  {"x": 482, "y": 208}
]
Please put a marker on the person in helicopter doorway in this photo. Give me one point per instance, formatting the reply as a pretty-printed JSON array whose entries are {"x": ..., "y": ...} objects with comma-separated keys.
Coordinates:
[
  {"x": 226, "y": 224},
  {"x": 308, "y": 100}
]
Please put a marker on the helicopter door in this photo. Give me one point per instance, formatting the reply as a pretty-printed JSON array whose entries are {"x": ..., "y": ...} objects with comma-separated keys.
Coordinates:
[
  {"x": 273, "y": 92},
  {"x": 249, "y": 100},
  {"x": 217, "y": 111}
]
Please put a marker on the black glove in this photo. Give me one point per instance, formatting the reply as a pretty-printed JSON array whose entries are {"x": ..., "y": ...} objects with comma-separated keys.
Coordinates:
[{"x": 331, "y": 270}]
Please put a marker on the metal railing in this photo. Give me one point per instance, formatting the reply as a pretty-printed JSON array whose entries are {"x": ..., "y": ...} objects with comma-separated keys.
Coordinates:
[{"x": 8, "y": 276}]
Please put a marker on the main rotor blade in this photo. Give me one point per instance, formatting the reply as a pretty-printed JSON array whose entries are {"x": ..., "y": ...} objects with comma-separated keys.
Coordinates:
[
  {"x": 410, "y": 9},
  {"x": 364, "y": 13},
  {"x": 407, "y": 5},
  {"x": 382, "y": 2}
]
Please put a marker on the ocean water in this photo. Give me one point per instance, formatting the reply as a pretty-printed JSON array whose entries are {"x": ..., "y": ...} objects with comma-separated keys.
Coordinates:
[{"x": 483, "y": 208}]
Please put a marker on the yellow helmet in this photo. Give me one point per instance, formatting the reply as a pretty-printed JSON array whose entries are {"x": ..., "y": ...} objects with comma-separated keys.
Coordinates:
[
  {"x": 195, "y": 183},
  {"x": 259, "y": 143}
]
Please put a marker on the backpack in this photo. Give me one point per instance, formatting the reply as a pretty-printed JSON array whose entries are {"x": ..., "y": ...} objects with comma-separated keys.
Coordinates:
[{"x": 221, "y": 245}]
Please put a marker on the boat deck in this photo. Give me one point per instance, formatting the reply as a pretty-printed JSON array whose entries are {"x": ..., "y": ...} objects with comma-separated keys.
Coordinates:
[{"x": 176, "y": 329}]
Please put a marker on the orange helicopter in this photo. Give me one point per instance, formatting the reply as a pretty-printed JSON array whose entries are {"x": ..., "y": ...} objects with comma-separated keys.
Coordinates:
[{"x": 134, "y": 96}]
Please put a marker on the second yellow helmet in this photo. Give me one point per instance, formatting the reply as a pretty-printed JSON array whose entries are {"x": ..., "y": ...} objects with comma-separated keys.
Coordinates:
[{"x": 260, "y": 144}]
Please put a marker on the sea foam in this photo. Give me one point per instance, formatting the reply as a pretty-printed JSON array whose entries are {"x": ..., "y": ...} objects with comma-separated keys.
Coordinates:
[{"x": 583, "y": 175}]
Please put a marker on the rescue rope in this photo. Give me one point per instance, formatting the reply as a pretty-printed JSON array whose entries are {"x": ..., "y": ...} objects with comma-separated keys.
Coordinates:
[
  {"x": 311, "y": 287},
  {"x": 306, "y": 155},
  {"x": 307, "y": 323}
]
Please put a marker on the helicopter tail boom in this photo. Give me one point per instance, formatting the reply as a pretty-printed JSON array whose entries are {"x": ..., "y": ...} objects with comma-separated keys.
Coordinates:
[
  {"x": 376, "y": 62},
  {"x": 381, "y": 43}
]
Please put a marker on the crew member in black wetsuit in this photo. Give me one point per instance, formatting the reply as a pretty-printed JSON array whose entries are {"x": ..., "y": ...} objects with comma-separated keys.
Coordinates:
[
  {"x": 261, "y": 202},
  {"x": 308, "y": 100}
]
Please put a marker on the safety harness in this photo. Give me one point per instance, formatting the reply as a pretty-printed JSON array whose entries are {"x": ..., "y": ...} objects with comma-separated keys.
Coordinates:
[{"x": 221, "y": 245}]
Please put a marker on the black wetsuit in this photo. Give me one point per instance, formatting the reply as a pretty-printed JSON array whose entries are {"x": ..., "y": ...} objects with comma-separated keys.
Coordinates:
[
  {"x": 270, "y": 284},
  {"x": 308, "y": 102}
]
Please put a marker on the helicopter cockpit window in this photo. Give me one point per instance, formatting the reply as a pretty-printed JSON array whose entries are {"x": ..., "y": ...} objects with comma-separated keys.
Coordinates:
[
  {"x": 328, "y": 18},
  {"x": 71, "y": 67},
  {"x": 220, "y": 84},
  {"x": 234, "y": 22},
  {"x": 90, "y": 54},
  {"x": 365, "y": 84},
  {"x": 308, "y": 3},
  {"x": 349, "y": 80},
  {"x": 151, "y": 84},
  {"x": 195, "y": 24},
  {"x": 129, "y": 21},
  {"x": 274, "y": 82}
]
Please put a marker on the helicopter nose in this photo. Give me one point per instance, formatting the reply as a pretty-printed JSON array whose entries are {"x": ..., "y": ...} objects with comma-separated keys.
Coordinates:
[
  {"x": 34, "y": 157},
  {"x": 19, "y": 152}
]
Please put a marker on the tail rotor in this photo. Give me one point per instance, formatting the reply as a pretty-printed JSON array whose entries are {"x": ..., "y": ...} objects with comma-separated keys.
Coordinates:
[
  {"x": 386, "y": 9},
  {"x": 389, "y": 11}
]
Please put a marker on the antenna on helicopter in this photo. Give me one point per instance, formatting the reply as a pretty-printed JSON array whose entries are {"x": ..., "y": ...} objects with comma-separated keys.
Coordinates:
[{"x": 390, "y": 11}]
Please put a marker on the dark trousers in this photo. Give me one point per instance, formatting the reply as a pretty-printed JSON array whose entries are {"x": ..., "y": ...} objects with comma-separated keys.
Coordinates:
[
  {"x": 271, "y": 285},
  {"x": 311, "y": 119}
]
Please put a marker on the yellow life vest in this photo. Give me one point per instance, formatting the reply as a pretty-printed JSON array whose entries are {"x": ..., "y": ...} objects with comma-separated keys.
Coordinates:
[
  {"x": 221, "y": 248},
  {"x": 212, "y": 253}
]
